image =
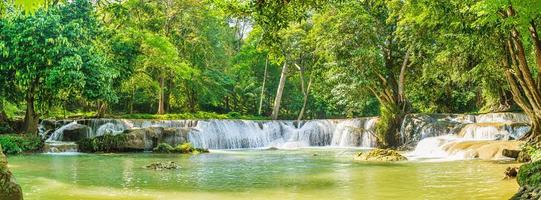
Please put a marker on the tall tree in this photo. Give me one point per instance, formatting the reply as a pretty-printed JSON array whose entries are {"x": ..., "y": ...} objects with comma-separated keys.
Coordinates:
[{"x": 53, "y": 51}]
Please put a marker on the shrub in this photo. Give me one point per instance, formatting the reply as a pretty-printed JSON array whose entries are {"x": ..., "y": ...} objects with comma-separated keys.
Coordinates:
[
  {"x": 13, "y": 144},
  {"x": 163, "y": 148},
  {"x": 181, "y": 148}
]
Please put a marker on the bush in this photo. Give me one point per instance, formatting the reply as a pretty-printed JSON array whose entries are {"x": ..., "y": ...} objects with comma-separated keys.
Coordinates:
[
  {"x": 105, "y": 143},
  {"x": 181, "y": 148},
  {"x": 163, "y": 148},
  {"x": 13, "y": 144},
  {"x": 530, "y": 174}
]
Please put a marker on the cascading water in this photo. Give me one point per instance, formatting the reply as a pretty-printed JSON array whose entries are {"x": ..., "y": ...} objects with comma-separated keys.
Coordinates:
[
  {"x": 471, "y": 139},
  {"x": 234, "y": 134}
]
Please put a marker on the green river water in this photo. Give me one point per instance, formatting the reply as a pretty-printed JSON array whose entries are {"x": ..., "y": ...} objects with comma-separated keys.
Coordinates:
[{"x": 256, "y": 174}]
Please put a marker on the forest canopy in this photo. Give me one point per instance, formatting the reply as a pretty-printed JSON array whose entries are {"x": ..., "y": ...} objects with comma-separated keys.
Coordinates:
[{"x": 292, "y": 59}]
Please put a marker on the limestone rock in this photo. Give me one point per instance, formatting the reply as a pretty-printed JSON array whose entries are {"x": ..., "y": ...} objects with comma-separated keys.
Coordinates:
[
  {"x": 380, "y": 155},
  {"x": 9, "y": 190},
  {"x": 150, "y": 137}
]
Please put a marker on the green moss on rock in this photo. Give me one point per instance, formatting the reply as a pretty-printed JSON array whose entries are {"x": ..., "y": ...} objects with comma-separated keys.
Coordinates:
[
  {"x": 530, "y": 174},
  {"x": 181, "y": 148},
  {"x": 386, "y": 155},
  {"x": 9, "y": 190}
]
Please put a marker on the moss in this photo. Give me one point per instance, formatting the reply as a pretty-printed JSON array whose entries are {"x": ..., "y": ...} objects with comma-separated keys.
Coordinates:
[
  {"x": 181, "y": 148},
  {"x": 388, "y": 125},
  {"x": 380, "y": 155},
  {"x": 530, "y": 174},
  {"x": 14, "y": 144},
  {"x": 105, "y": 143}
]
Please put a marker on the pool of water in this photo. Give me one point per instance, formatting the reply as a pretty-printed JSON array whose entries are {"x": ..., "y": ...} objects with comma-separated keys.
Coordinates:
[{"x": 256, "y": 174}]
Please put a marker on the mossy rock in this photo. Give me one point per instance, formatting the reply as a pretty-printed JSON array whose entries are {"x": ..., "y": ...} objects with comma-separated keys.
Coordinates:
[
  {"x": 385, "y": 155},
  {"x": 9, "y": 190},
  {"x": 530, "y": 174},
  {"x": 181, "y": 148}
]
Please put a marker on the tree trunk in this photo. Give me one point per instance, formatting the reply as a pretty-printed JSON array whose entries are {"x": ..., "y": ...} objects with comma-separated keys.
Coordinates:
[
  {"x": 161, "y": 110},
  {"x": 31, "y": 118},
  {"x": 279, "y": 92},
  {"x": 263, "y": 87},
  {"x": 401, "y": 78},
  {"x": 132, "y": 99},
  {"x": 305, "y": 99}
]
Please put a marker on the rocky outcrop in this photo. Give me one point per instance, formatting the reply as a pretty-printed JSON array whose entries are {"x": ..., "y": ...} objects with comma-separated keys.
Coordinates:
[
  {"x": 385, "y": 155},
  {"x": 9, "y": 190},
  {"x": 75, "y": 133},
  {"x": 148, "y": 138}
]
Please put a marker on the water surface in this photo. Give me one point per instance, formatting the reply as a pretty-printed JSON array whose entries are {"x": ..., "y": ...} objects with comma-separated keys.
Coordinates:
[{"x": 318, "y": 173}]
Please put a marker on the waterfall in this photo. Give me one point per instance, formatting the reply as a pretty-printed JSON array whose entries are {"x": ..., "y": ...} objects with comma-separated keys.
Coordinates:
[
  {"x": 486, "y": 136},
  {"x": 234, "y": 134}
]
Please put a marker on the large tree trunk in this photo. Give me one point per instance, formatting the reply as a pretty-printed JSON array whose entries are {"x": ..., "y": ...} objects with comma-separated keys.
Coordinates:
[
  {"x": 31, "y": 118},
  {"x": 161, "y": 109},
  {"x": 525, "y": 91},
  {"x": 279, "y": 92},
  {"x": 263, "y": 87}
]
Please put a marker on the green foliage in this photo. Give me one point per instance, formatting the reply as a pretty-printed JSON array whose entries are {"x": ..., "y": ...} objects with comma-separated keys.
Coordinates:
[
  {"x": 181, "y": 148},
  {"x": 13, "y": 144},
  {"x": 197, "y": 115},
  {"x": 530, "y": 174},
  {"x": 534, "y": 151},
  {"x": 163, "y": 148},
  {"x": 105, "y": 143}
]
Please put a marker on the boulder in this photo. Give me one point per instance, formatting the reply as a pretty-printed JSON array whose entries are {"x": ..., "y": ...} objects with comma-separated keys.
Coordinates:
[
  {"x": 385, "y": 155},
  {"x": 9, "y": 190},
  {"x": 75, "y": 132},
  {"x": 511, "y": 153},
  {"x": 511, "y": 172}
]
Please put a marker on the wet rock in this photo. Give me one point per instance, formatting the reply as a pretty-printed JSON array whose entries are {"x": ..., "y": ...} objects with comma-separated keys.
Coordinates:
[
  {"x": 511, "y": 153},
  {"x": 75, "y": 132},
  {"x": 9, "y": 190},
  {"x": 511, "y": 172},
  {"x": 272, "y": 148},
  {"x": 163, "y": 166},
  {"x": 380, "y": 155}
]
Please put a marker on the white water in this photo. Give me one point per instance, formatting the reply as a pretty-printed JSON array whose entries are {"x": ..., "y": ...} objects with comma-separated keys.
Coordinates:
[
  {"x": 499, "y": 129},
  {"x": 235, "y": 134},
  {"x": 232, "y": 134}
]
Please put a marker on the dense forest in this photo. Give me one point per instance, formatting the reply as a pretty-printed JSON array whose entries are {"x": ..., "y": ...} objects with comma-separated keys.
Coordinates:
[{"x": 291, "y": 59}]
